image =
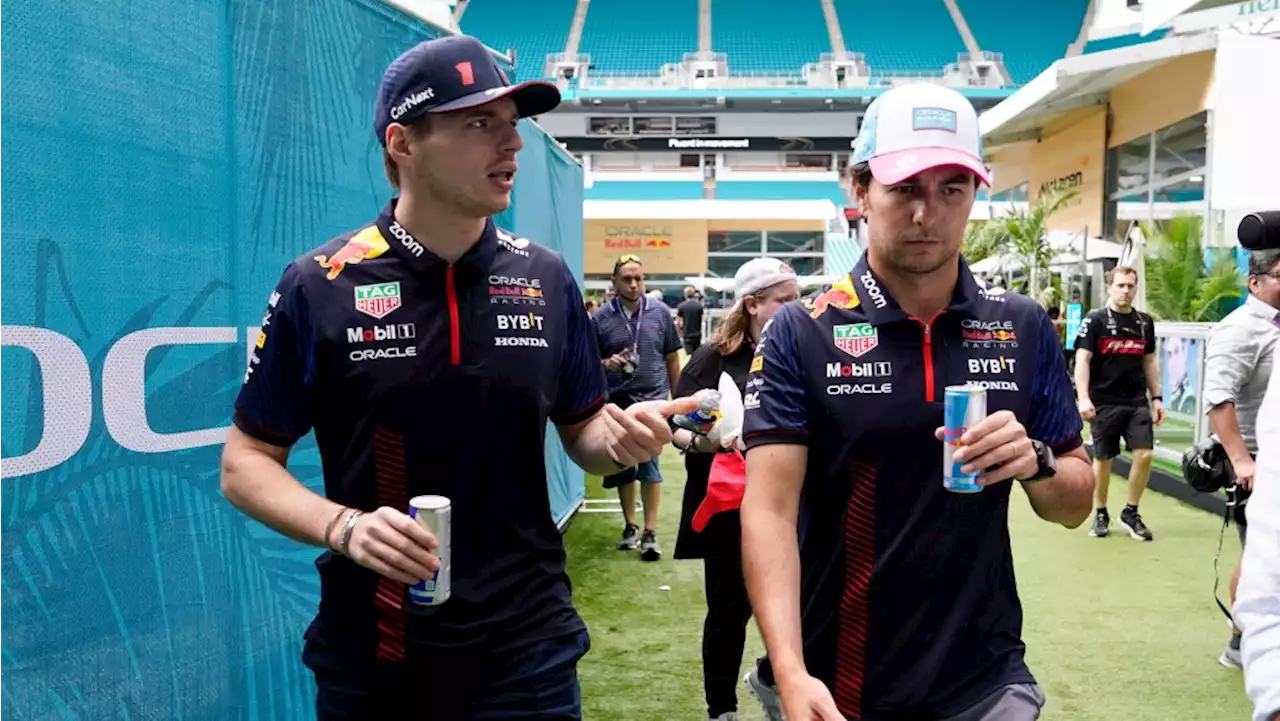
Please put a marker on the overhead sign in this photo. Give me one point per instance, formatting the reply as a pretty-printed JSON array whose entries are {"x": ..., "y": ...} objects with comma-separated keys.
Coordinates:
[
  {"x": 1072, "y": 160},
  {"x": 664, "y": 246},
  {"x": 658, "y": 143}
]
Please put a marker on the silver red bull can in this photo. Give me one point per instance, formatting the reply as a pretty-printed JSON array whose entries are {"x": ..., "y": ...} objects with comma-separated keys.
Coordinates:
[
  {"x": 963, "y": 408},
  {"x": 435, "y": 513}
]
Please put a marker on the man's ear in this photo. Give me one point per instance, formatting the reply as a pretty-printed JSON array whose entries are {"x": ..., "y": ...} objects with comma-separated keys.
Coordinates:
[
  {"x": 864, "y": 199},
  {"x": 398, "y": 141}
]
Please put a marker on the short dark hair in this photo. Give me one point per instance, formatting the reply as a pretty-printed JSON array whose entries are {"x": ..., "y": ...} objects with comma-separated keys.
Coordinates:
[
  {"x": 1262, "y": 261},
  {"x": 416, "y": 129},
  {"x": 1121, "y": 270}
]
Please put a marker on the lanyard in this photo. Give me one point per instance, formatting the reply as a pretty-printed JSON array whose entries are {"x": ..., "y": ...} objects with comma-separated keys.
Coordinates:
[{"x": 635, "y": 332}]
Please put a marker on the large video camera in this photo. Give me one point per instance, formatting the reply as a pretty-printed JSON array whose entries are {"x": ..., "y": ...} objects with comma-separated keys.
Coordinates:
[{"x": 1260, "y": 231}]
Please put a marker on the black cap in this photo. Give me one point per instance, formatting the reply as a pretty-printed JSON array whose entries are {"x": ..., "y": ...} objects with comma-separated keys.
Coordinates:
[{"x": 451, "y": 73}]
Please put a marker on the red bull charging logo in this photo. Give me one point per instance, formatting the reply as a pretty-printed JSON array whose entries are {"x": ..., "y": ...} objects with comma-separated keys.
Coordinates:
[{"x": 368, "y": 243}]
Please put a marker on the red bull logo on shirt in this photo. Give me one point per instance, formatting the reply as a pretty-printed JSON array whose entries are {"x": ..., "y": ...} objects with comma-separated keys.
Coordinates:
[
  {"x": 840, "y": 295},
  {"x": 368, "y": 243}
]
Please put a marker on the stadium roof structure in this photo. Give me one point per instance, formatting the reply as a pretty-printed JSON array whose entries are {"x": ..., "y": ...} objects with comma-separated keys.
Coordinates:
[
  {"x": 1078, "y": 82},
  {"x": 1156, "y": 13}
]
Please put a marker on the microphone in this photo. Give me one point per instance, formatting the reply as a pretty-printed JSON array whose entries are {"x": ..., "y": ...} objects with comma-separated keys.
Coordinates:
[{"x": 1260, "y": 231}]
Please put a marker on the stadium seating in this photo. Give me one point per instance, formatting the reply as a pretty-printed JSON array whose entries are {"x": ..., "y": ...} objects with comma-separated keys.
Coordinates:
[
  {"x": 533, "y": 29},
  {"x": 644, "y": 190},
  {"x": 1031, "y": 37},
  {"x": 901, "y": 35},
  {"x": 767, "y": 35},
  {"x": 780, "y": 190},
  {"x": 1123, "y": 41},
  {"x": 637, "y": 38}
]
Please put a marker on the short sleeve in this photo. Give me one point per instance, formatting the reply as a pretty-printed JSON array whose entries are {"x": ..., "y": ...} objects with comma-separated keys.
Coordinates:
[
  {"x": 1054, "y": 418},
  {"x": 775, "y": 397},
  {"x": 1087, "y": 336},
  {"x": 1230, "y": 354},
  {"x": 1149, "y": 333},
  {"x": 581, "y": 388},
  {"x": 701, "y": 371},
  {"x": 671, "y": 342},
  {"x": 275, "y": 401}
]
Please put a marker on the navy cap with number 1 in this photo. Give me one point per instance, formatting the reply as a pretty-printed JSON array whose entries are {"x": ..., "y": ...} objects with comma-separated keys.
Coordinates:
[{"x": 451, "y": 73}]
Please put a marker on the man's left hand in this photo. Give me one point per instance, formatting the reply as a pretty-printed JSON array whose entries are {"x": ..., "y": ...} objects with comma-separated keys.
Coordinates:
[
  {"x": 999, "y": 447},
  {"x": 1157, "y": 411},
  {"x": 640, "y": 433}
]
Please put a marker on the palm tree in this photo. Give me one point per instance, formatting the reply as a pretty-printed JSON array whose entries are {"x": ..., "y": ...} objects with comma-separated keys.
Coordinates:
[
  {"x": 1021, "y": 233},
  {"x": 1182, "y": 283}
]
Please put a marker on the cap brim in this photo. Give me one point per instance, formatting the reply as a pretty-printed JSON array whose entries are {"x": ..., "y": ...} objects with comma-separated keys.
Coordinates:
[
  {"x": 893, "y": 168},
  {"x": 534, "y": 97}
]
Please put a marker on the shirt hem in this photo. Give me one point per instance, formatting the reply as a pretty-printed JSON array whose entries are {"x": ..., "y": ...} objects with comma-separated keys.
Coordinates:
[
  {"x": 262, "y": 433},
  {"x": 776, "y": 436}
]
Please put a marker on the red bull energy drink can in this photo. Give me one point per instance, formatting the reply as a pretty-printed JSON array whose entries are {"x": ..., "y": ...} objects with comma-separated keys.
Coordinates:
[
  {"x": 963, "y": 408},
  {"x": 435, "y": 513}
]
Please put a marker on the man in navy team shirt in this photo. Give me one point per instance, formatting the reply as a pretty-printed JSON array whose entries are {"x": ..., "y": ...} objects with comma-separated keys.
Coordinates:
[
  {"x": 880, "y": 594},
  {"x": 427, "y": 350}
]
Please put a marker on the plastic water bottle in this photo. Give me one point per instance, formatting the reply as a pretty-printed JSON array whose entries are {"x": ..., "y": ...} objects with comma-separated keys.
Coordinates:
[{"x": 701, "y": 420}]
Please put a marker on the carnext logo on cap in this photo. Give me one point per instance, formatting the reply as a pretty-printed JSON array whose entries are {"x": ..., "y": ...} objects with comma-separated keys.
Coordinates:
[
  {"x": 933, "y": 119},
  {"x": 411, "y": 102}
]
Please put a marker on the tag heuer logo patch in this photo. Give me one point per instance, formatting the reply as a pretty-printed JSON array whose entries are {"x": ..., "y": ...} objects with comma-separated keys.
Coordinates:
[
  {"x": 379, "y": 299},
  {"x": 857, "y": 339}
]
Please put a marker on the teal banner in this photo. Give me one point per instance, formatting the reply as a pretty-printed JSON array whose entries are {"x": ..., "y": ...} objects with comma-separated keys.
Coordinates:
[{"x": 166, "y": 160}]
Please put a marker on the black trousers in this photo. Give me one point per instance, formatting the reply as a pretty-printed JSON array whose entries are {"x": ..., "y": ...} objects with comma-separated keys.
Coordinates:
[{"x": 724, "y": 632}]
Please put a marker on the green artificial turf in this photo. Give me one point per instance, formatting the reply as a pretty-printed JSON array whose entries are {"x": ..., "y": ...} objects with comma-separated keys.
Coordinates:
[{"x": 1115, "y": 628}]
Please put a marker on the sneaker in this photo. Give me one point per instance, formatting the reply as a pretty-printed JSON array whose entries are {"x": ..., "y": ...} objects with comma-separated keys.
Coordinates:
[
  {"x": 1231, "y": 654},
  {"x": 630, "y": 538},
  {"x": 649, "y": 550},
  {"x": 1137, "y": 529},
  {"x": 765, "y": 694},
  {"x": 1101, "y": 525}
]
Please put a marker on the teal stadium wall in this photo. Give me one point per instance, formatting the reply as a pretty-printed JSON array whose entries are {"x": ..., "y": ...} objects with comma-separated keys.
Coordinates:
[{"x": 165, "y": 160}]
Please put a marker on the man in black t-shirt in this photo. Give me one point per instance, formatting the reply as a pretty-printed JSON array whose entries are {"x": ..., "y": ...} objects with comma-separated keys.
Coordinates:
[
  {"x": 1115, "y": 367},
  {"x": 689, "y": 318}
]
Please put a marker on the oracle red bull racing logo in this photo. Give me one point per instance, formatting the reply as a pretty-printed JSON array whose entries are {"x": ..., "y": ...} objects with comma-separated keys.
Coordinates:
[{"x": 366, "y": 244}]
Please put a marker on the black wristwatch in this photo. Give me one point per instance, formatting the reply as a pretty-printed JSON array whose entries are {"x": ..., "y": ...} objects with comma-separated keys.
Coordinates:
[{"x": 1046, "y": 462}]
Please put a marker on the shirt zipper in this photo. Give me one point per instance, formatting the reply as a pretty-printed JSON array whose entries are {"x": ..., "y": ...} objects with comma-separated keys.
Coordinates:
[
  {"x": 928, "y": 354},
  {"x": 455, "y": 332}
]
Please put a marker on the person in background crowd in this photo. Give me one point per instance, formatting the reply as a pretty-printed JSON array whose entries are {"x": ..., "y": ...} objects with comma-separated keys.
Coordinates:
[
  {"x": 590, "y": 306},
  {"x": 761, "y": 286},
  {"x": 1238, "y": 365},
  {"x": 1116, "y": 368},
  {"x": 689, "y": 320},
  {"x": 641, "y": 352}
]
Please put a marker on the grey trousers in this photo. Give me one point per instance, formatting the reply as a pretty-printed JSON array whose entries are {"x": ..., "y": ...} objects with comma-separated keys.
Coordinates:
[{"x": 1019, "y": 702}]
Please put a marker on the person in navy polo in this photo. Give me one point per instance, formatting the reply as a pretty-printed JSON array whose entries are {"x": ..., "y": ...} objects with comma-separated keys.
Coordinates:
[
  {"x": 427, "y": 350},
  {"x": 880, "y": 594}
]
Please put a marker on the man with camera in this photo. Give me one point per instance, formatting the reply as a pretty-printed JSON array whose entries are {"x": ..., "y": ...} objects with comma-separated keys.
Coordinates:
[
  {"x": 640, "y": 348},
  {"x": 1238, "y": 364}
]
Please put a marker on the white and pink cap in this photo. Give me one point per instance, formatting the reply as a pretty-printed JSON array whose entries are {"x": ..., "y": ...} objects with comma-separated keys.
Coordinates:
[{"x": 913, "y": 128}]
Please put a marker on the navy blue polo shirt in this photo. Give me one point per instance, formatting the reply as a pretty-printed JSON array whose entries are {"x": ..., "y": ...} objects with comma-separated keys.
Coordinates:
[
  {"x": 653, "y": 335},
  {"x": 422, "y": 377},
  {"x": 910, "y": 608}
]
